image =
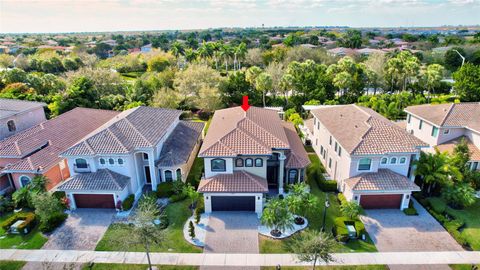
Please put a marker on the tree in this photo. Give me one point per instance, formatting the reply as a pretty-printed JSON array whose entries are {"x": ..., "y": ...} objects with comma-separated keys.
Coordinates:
[
  {"x": 166, "y": 98},
  {"x": 401, "y": 70},
  {"x": 375, "y": 70},
  {"x": 300, "y": 201},
  {"x": 79, "y": 94},
  {"x": 434, "y": 169},
  {"x": 239, "y": 54},
  {"x": 263, "y": 83},
  {"x": 6, "y": 60},
  {"x": 251, "y": 75},
  {"x": 277, "y": 216},
  {"x": 352, "y": 39},
  {"x": 21, "y": 197},
  {"x": 467, "y": 83},
  {"x": 459, "y": 195},
  {"x": 192, "y": 194},
  {"x": 209, "y": 99},
  {"x": 349, "y": 77},
  {"x": 235, "y": 87},
  {"x": 312, "y": 246},
  {"x": 460, "y": 156},
  {"x": 433, "y": 76},
  {"x": 351, "y": 209},
  {"x": 191, "y": 230},
  {"x": 158, "y": 63},
  {"x": 46, "y": 206}
]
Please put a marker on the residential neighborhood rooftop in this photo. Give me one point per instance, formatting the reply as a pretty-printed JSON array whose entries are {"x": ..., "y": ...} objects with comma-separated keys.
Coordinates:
[
  {"x": 135, "y": 128},
  {"x": 9, "y": 107},
  {"x": 361, "y": 131},
  {"x": 236, "y": 182},
  {"x": 103, "y": 179},
  {"x": 450, "y": 146},
  {"x": 449, "y": 114},
  {"x": 40, "y": 146},
  {"x": 384, "y": 179}
]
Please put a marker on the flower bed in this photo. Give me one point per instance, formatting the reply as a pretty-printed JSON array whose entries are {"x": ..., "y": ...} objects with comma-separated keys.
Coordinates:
[
  {"x": 266, "y": 231},
  {"x": 200, "y": 230}
]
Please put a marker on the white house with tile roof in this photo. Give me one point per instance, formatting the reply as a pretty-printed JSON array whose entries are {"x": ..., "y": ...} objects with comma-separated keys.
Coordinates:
[
  {"x": 139, "y": 147},
  {"x": 19, "y": 115},
  {"x": 442, "y": 126},
  {"x": 248, "y": 154},
  {"x": 369, "y": 156}
]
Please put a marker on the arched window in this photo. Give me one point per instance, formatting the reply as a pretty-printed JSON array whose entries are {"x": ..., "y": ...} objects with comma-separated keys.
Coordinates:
[
  {"x": 102, "y": 161},
  {"x": 25, "y": 180},
  {"x": 292, "y": 175},
  {"x": 248, "y": 162},
  {"x": 393, "y": 160},
  {"x": 239, "y": 162},
  {"x": 81, "y": 163},
  {"x": 179, "y": 174},
  {"x": 11, "y": 126},
  {"x": 258, "y": 162},
  {"x": 120, "y": 161},
  {"x": 111, "y": 161},
  {"x": 384, "y": 160},
  {"x": 218, "y": 165},
  {"x": 403, "y": 160},
  {"x": 168, "y": 176},
  {"x": 364, "y": 164}
]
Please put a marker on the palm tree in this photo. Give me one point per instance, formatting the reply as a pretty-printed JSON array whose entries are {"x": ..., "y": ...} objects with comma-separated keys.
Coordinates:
[
  {"x": 351, "y": 209},
  {"x": 239, "y": 53},
  {"x": 276, "y": 216},
  {"x": 226, "y": 52},
  {"x": 263, "y": 83},
  {"x": 300, "y": 201},
  {"x": 433, "y": 75},
  {"x": 177, "y": 50},
  {"x": 205, "y": 50},
  {"x": 190, "y": 55},
  {"x": 434, "y": 168}
]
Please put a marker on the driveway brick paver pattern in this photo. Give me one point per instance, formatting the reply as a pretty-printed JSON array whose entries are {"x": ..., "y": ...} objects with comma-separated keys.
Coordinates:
[
  {"x": 82, "y": 230},
  {"x": 392, "y": 230},
  {"x": 232, "y": 232}
]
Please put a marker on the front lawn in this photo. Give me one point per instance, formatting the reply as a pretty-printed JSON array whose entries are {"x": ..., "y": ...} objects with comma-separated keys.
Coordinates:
[
  {"x": 349, "y": 267},
  {"x": 11, "y": 265},
  {"x": 470, "y": 215},
  {"x": 177, "y": 214},
  {"x": 315, "y": 217},
  {"x": 32, "y": 240},
  {"x": 112, "y": 266},
  {"x": 463, "y": 266}
]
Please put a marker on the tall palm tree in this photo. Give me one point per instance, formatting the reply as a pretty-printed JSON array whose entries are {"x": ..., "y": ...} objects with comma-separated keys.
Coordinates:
[
  {"x": 178, "y": 50},
  {"x": 434, "y": 169},
  {"x": 205, "y": 50},
  {"x": 191, "y": 55},
  {"x": 239, "y": 53},
  {"x": 226, "y": 52}
]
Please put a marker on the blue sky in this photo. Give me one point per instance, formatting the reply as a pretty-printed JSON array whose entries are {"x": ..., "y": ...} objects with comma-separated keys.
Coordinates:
[{"x": 119, "y": 15}]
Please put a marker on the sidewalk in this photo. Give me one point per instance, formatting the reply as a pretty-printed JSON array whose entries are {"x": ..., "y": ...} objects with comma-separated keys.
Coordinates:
[{"x": 220, "y": 259}]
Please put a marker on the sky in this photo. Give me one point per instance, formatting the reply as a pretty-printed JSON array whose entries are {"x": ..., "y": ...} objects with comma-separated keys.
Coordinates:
[{"x": 52, "y": 16}]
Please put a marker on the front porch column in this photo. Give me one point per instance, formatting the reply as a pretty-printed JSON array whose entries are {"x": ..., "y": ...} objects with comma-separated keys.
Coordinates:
[
  {"x": 281, "y": 158},
  {"x": 153, "y": 169}
]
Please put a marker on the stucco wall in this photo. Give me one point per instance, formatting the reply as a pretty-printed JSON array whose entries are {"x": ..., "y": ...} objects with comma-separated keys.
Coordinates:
[
  {"x": 260, "y": 171},
  {"x": 208, "y": 170},
  {"x": 22, "y": 121}
]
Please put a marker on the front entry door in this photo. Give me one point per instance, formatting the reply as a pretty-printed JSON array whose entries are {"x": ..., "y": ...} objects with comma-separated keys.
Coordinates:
[{"x": 148, "y": 178}]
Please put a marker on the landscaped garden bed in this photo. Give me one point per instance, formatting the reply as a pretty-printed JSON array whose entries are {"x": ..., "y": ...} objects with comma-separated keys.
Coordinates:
[
  {"x": 266, "y": 231},
  {"x": 32, "y": 240}
]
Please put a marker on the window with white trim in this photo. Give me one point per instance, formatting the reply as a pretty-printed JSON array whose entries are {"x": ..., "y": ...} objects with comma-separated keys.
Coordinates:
[
  {"x": 384, "y": 160},
  {"x": 393, "y": 160},
  {"x": 120, "y": 161},
  {"x": 81, "y": 163},
  {"x": 217, "y": 165},
  {"x": 239, "y": 162},
  {"x": 403, "y": 160},
  {"x": 248, "y": 162},
  {"x": 364, "y": 164},
  {"x": 111, "y": 161},
  {"x": 102, "y": 161}
]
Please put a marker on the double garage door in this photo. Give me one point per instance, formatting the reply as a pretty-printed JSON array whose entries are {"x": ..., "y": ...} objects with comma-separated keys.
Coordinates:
[
  {"x": 94, "y": 200},
  {"x": 381, "y": 201},
  {"x": 233, "y": 203}
]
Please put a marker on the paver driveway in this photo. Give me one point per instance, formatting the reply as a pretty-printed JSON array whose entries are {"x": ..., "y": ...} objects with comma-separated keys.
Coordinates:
[
  {"x": 392, "y": 230},
  {"x": 232, "y": 232},
  {"x": 82, "y": 230}
]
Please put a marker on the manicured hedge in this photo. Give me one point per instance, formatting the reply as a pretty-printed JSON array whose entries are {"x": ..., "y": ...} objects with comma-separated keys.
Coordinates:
[
  {"x": 30, "y": 220},
  {"x": 411, "y": 211},
  {"x": 128, "y": 202},
  {"x": 341, "y": 198},
  {"x": 340, "y": 228},
  {"x": 327, "y": 185},
  {"x": 177, "y": 197},
  {"x": 53, "y": 222},
  {"x": 165, "y": 190}
]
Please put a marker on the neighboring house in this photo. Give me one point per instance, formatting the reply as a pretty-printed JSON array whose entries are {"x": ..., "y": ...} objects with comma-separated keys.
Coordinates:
[
  {"x": 369, "y": 156},
  {"x": 147, "y": 48},
  {"x": 138, "y": 148},
  {"x": 35, "y": 151},
  {"x": 248, "y": 154},
  {"x": 18, "y": 115},
  {"x": 442, "y": 126}
]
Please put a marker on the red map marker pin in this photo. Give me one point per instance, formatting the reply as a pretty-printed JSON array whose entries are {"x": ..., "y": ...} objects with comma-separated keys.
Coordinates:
[{"x": 245, "y": 105}]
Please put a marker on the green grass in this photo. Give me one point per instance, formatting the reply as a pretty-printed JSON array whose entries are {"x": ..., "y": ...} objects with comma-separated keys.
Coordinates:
[
  {"x": 177, "y": 214},
  {"x": 309, "y": 149},
  {"x": 195, "y": 172},
  {"x": 315, "y": 217},
  {"x": 32, "y": 240},
  {"x": 462, "y": 266},
  {"x": 353, "y": 267},
  {"x": 471, "y": 216},
  {"x": 11, "y": 265},
  {"x": 112, "y": 266}
]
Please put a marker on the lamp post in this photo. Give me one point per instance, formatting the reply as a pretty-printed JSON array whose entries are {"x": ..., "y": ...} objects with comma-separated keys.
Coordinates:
[
  {"x": 327, "y": 204},
  {"x": 461, "y": 56}
]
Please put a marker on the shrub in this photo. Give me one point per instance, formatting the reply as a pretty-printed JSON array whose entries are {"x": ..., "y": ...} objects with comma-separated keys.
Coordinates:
[
  {"x": 6, "y": 205},
  {"x": 177, "y": 198},
  {"x": 53, "y": 222},
  {"x": 164, "y": 222},
  {"x": 30, "y": 220},
  {"x": 197, "y": 216},
  {"x": 340, "y": 228},
  {"x": 165, "y": 189},
  {"x": 128, "y": 202},
  {"x": 328, "y": 185},
  {"x": 351, "y": 209},
  {"x": 437, "y": 204},
  {"x": 200, "y": 207},
  {"x": 410, "y": 211},
  {"x": 341, "y": 198},
  {"x": 191, "y": 230},
  {"x": 178, "y": 187},
  {"x": 59, "y": 194}
]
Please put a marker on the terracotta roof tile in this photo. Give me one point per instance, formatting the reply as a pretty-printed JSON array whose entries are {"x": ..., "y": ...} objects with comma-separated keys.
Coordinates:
[
  {"x": 103, "y": 179},
  {"x": 450, "y": 146},
  {"x": 236, "y": 182},
  {"x": 9, "y": 107},
  {"x": 450, "y": 114},
  {"x": 383, "y": 180},
  {"x": 297, "y": 157}
]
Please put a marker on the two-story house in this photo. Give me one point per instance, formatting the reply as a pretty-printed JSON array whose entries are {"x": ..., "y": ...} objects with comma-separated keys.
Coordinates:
[
  {"x": 247, "y": 154},
  {"x": 442, "y": 126},
  {"x": 137, "y": 148},
  {"x": 18, "y": 115},
  {"x": 368, "y": 155},
  {"x": 35, "y": 151}
]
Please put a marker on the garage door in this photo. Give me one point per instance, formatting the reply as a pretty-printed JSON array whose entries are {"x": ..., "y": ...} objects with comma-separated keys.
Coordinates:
[
  {"x": 94, "y": 200},
  {"x": 381, "y": 201},
  {"x": 227, "y": 203}
]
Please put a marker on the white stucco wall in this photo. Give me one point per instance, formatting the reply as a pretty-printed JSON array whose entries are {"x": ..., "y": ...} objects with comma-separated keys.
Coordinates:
[
  {"x": 208, "y": 168},
  {"x": 259, "y": 171},
  {"x": 22, "y": 121}
]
